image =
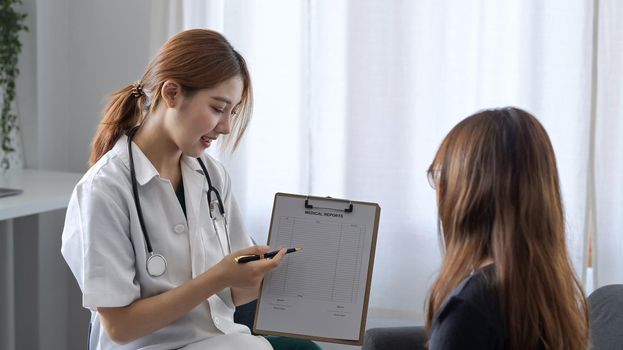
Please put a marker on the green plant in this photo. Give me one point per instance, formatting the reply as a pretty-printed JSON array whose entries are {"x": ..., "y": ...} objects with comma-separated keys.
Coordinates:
[{"x": 11, "y": 23}]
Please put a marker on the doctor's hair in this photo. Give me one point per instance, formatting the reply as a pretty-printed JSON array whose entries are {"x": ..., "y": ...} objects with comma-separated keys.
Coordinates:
[
  {"x": 498, "y": 197},
  {"x": 196, "y": 59}
]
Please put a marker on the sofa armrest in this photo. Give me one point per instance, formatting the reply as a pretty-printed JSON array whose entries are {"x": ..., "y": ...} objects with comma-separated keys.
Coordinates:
[{"x": 395, "y": 338}]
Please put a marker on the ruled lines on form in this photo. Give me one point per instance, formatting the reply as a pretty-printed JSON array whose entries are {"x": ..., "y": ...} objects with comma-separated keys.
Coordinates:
[{"x": 328, "y": 266}]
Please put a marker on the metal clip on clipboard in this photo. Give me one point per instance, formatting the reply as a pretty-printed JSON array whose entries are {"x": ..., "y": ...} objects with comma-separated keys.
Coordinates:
[{"x": 347, "y": 209}]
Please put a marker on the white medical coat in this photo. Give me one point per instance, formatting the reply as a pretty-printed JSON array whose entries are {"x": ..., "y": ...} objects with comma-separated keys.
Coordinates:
[{"x": 104, "y": 246}]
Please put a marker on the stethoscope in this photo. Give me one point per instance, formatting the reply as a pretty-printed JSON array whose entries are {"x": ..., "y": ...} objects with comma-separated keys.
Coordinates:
[{"x": 156, "y": 264}]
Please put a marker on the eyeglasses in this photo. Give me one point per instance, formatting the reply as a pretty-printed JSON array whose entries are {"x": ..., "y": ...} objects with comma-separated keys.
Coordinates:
[{"x": 433, "y": 177}]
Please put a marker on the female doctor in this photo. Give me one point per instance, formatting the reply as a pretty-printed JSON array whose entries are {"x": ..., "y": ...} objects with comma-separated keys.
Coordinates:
[{"x": 152, "y": 228}]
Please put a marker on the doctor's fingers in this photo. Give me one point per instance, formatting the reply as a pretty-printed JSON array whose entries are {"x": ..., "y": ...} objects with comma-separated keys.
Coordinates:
[
  {"x": 253, "y": 250},
  {"x": 269, "y": 264}
]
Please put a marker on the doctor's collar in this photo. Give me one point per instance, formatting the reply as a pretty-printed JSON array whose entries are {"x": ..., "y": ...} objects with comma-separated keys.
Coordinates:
[
  {"x": 192, "y": 163},
  {"x": 145, "y": 171}
]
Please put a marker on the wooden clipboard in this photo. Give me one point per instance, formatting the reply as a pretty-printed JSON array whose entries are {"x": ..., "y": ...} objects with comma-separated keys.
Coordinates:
[{"x": 300, "y": 298}]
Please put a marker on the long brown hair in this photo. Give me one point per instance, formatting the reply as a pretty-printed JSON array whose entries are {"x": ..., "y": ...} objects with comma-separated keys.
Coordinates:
[
  {"x": 499, "y": 197},
  {"x": 196, "y": 59}
]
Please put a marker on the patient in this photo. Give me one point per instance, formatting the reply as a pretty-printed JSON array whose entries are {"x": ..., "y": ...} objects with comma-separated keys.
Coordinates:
[{"x": 506, "y": 281}]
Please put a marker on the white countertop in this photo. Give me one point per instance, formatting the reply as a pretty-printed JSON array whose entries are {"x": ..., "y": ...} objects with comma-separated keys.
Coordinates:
[{"x": 43, "y": 191}]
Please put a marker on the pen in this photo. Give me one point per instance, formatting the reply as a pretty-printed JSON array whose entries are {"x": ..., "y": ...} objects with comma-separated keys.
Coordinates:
[{"x": 246, "y": 258}]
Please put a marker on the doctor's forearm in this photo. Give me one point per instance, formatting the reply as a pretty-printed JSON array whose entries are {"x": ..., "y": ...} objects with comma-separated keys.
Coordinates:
[{"x": 144, "y": 316}]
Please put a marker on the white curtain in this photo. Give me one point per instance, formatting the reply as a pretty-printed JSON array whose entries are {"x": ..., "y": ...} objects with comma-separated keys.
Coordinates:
[
  {"x": 353, "y": 97},
  {"x": 608, "y": 143}
]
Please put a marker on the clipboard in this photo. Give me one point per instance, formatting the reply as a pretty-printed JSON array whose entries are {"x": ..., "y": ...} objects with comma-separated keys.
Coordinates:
[{"x": 321, "y": 292}]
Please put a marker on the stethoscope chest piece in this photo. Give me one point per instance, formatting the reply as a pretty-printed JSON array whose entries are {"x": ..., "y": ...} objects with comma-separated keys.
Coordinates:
[{"x": 156, "y": 265}]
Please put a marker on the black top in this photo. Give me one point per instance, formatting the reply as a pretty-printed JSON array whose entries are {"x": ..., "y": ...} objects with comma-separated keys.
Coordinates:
[
  {"x": 470, "y": 318},
  {"x": 179, "y": 192}
]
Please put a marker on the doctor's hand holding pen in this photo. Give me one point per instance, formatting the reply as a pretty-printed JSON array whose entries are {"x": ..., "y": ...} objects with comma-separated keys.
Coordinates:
[{"x": 245, "y": 279}]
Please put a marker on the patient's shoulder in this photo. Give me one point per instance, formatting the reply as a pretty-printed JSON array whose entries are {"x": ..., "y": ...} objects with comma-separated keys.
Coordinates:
[{"x": 470, "y": 317}]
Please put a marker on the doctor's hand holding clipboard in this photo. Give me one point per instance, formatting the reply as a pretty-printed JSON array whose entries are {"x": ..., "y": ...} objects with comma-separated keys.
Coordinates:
[{"x": 152, "y": 229}]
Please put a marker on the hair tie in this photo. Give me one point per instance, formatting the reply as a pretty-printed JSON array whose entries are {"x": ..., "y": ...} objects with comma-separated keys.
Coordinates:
[{"x": 137, "y": 89}]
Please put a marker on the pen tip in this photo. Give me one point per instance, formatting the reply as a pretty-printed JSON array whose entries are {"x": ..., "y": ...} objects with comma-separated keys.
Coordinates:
[{"x": 297, "y": 249}]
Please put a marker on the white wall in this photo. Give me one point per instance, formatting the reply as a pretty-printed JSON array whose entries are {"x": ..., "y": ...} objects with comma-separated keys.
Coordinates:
[
  {"x": 86, "y": 50},
  {"x": 75, "y": 54}
]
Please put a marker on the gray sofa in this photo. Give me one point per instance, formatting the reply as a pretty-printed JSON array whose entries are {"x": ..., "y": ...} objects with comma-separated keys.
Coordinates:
[
  {"x": 606, "y": 310},
  {"x": 395, "y": 338}
]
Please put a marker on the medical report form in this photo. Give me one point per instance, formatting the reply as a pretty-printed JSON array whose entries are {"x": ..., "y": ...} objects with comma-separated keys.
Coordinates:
[{"x": 322, "y": 291}]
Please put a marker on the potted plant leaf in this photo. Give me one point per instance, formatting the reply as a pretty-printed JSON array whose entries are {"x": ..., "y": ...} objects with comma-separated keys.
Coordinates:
[{"x": 11, "y": 24}]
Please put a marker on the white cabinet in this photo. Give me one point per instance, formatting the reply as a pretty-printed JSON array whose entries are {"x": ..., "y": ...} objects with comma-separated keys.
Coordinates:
[{"x": 33, "y": 279}]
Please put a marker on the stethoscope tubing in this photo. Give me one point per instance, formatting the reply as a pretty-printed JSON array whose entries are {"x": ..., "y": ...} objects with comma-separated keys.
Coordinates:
[
  {"x": 155, "y": 259},
  {"x": 221, "y": 208},
  {"x": 137, "y": 200}
]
